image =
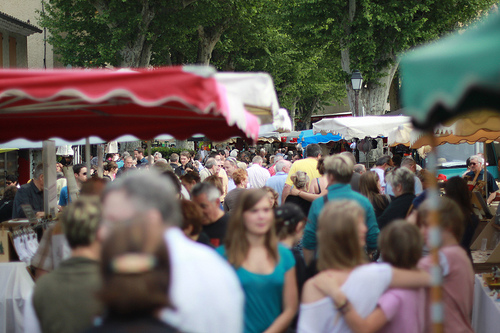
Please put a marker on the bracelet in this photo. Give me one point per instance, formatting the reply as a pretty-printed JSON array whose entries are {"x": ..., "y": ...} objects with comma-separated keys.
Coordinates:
[
  {"x": 299, "y": 193},
  {"x": 344, "y": 307}
]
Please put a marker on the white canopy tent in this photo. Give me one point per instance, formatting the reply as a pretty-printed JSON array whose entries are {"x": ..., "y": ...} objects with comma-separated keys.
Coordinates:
[
  {"x": 360, "y": 127},
  {"x": 255, "y": 91}
]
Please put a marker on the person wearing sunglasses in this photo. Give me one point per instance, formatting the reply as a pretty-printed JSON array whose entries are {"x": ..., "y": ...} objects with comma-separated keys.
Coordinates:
[
  {"x": 80, "y": 172},
  {"x": 476, "y": 173}
]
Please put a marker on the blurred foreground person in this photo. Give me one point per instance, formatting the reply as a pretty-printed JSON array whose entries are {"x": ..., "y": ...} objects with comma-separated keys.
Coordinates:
[
  {"x": 135, "y": 271},
  {"x": 458, "y": 274},
  {"x": 205, "y": 292},
  {"x": 343, "y": 264},
  {"x": 265, "y": 268},
  {"x": 64, "y": 299}
]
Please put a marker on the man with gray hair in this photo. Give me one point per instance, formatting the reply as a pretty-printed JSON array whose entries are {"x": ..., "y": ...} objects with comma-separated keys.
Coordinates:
[
  {"x": 359, "y": 168},
  {"x": 277, "y": 158},
  {"x": 277, "y": 182},
  {"x": 402, "y": 182},
  {"x": 204, "y": 290},
  {"x": 257, "y": 175},
  {"x": 339, "y": 170},
  {"x": 215, "y": 221},
  {"x": 230, "y": 166},
  {"x": 410, "y": 164},
  {"x": 30, "y": 194},
  {"x": 477, "y": 173},
  {"x": 211, "y": 166}
]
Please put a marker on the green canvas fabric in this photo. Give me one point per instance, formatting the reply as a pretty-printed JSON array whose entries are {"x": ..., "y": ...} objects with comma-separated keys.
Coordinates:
[{"x": 454, "y": 75}]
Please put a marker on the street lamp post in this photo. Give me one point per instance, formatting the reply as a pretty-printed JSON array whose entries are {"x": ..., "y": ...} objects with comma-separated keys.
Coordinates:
[{"x": 357, "y": 82}]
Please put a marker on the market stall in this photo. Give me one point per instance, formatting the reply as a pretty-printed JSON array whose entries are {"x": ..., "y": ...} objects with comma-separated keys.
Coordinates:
[
  {"x": 76, "y": 104},
  {"x": 445, "y": 81}
]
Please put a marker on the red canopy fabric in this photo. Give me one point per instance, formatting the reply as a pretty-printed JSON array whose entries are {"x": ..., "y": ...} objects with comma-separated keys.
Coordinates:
[{"x": 74, "y": 104}]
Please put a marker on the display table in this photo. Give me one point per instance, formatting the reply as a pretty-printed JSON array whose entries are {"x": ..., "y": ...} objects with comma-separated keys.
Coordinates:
[
  {"x": 15, "y": 286},
  {"x": 486, "y": 311}
]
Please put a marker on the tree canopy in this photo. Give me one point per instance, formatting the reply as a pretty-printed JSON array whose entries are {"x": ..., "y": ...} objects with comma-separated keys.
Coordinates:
[{"x": 310, "y": 47}]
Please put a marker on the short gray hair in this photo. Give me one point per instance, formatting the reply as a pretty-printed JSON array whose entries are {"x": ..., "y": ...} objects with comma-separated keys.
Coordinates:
[
  {"x": 206, "y": 188},
  {"x": 149, "y": 191},
  {"x": 408, "y": 161},
  {"x": 210, "y": 163},
  {"x": 38, "y": 171},
  {"x": 280, "y": 165},
  {"x": 257, "y": 159},
  {"x": 359, "y": 168},
  {"x": 404, "y": 177},
  {"x": 478, "y": 158}
]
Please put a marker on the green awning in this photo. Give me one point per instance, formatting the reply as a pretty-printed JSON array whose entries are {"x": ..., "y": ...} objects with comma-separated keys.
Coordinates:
[{"x": 455, "y": 75}]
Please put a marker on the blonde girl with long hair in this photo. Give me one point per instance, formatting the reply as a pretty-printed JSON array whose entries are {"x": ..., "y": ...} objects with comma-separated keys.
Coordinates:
[{"x": 265, "y": 268}]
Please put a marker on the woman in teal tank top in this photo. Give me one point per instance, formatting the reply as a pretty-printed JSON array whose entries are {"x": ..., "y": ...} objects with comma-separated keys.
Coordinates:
[{"x": 265, "y": 269}]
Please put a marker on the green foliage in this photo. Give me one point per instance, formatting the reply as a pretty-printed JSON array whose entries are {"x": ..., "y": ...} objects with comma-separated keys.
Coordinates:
[{"x": 299, "y": 42}]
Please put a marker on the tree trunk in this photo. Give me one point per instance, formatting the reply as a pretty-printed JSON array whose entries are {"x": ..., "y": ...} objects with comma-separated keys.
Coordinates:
[
  {"x": 345, "y": 59},
  {"x": 394, "y": 101},
  {"x": 208, "y": 37},
  {"x": 373, "y": 96},
  {"x": 137, "y": 52}
]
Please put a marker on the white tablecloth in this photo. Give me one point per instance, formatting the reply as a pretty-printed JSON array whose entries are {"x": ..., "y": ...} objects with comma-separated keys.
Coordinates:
[
  {"x": 486, "y": 311},
  {"x": 15, "y": 286}
]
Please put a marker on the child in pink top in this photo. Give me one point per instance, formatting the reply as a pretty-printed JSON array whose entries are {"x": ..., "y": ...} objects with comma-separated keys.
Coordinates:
[{"x": 458, "y": 274}]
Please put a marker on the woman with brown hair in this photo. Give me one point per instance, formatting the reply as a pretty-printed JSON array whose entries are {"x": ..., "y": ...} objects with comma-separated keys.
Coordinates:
[
  {"x": 456, "y": 189},
  {"x": 265, "y": 268},
  {"x": 110, "y": 169},
  {"x": 342, "y": 265},
  {"x": 135, "y": 269},
  {"x": 369, "y": 186}
]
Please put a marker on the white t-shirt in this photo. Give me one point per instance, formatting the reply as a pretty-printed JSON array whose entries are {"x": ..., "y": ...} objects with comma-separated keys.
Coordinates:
[
  {"x": 362, "y": 288},
  {"x": 204, "y": 288}
]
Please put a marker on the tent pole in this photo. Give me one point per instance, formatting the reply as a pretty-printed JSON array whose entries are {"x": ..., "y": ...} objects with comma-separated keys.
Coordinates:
[
  {"x": 435, "y": 237},
  {"x": 100, "y": 158},
  {"x": 150, "y": 158},
  {"x": 485, "y": 173},
  {"x": 87, "y": 156}
]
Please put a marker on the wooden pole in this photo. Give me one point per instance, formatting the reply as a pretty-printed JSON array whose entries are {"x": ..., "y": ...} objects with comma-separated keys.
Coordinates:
[
  {"x": 87, "y": 156},
  {"x": 150, "y": 158},
  {"x": 100, "y": 158},
  {"x": 485, "y": 173},
  {"x": 434, "y": 239},
  {"x": 49, "y": 177}
]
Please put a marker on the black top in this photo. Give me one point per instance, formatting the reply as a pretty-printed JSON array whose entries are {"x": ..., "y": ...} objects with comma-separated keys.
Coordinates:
[
  {"x": 134, "y": 325},
  {"x": 302, "y": 276},
  {"x": 302, "y": 203},
  {"x": 470, "y": 228},
  {"x": 492, "y": 184},
  {"x": 204, "y": 239},
  {"x": 217, "y": 231},
  {"x": 380, "y": 210},
  {"x": 397, "y": 209},
  {"x": 6, "y": 209},
  {"x": 27, "y": 194}
]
